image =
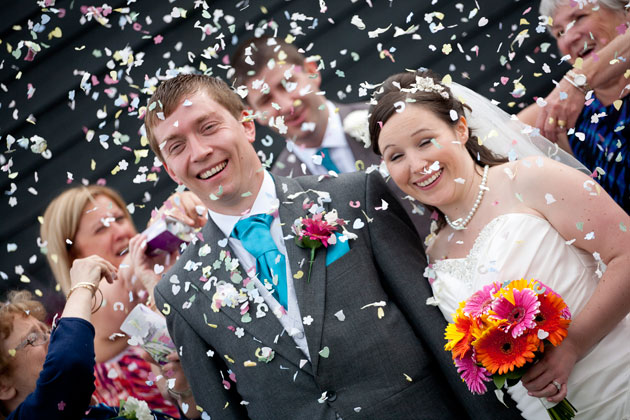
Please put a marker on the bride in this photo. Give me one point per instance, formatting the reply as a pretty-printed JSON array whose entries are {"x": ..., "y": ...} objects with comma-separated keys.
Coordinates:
[{"x": 502, "y": 219}]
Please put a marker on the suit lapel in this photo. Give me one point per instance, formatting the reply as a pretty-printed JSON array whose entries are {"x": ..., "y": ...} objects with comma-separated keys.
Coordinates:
[
  {"x": 266, "y": 328},
  {"x": 311, "y": 293}
]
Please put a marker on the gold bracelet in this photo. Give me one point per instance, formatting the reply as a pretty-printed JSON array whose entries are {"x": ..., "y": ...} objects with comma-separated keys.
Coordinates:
[
  {"x": 180, "y": 395},
  {"x": 96, "y": 307},
  {"x": 84, "y": 284}
]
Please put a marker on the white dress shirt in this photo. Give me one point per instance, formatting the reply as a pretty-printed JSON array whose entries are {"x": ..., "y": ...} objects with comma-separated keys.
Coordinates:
[
  {"x": 267, "y": 203},
  {"x": 335, "y": 140}
]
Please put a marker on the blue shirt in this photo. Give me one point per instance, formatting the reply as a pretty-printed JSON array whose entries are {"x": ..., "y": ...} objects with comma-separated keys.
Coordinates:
[{"x": 605, "y": 146}]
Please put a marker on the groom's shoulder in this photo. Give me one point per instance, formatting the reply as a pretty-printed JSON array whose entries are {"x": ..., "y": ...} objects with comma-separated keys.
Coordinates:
[{"x": 352, "y": 182}]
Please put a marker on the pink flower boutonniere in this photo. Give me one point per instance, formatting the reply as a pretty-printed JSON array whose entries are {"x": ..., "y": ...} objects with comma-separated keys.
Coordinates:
[{"x": 316, "y": 231}]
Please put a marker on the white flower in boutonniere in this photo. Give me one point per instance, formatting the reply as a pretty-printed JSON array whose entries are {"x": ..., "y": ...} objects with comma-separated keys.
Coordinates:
[
  {"x": 134, "y": 409},
  {"x": 356, "y": 125},
  {"x": 319, "y": 230}
]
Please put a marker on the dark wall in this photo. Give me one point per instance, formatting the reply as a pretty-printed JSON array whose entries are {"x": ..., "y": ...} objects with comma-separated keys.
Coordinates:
[{"x": 43, "y": 97}]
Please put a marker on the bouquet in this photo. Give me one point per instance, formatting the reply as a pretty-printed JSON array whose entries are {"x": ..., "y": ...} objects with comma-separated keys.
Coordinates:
[
  {"x": 134, "y": 409},
  {"x": 502, "y": 329}
]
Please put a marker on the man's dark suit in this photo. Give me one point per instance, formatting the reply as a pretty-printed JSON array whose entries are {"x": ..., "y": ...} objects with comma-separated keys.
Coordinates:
[{"x": 371, "y": 367}]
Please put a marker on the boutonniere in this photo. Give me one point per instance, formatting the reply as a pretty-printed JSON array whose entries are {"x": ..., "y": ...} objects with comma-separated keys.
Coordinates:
[
  {"x": 356, "y": 125},
  {"x": 313, "y": 232}
]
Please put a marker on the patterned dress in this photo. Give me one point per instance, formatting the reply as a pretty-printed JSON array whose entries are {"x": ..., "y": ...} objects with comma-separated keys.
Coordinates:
[
  {"x": 601, "y": 141},
  {"x": 127, "y": 375}
]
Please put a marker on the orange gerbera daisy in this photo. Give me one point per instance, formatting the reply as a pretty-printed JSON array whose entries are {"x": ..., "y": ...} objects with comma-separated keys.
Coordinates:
[
  {"x": 500, "y": 352},
  {"x": 550, "y": 318},
  {"x": 459, "y": 334}
]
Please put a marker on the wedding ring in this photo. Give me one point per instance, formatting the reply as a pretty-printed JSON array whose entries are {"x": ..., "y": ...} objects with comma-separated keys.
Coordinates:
[
  {"x": 562, "y": 123},
  {"x": 551, "y": 120},
  {"x": 557, "y": 385}
]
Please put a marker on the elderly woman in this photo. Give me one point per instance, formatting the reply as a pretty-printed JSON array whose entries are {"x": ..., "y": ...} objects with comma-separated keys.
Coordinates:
[
  {"x": 39, "y": 377},
  {"x": 94, "y": 220},
  {"x": 593, "y": 35}
]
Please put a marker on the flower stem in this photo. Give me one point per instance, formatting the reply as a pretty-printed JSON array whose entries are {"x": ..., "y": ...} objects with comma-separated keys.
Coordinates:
[{"x": 310, "y": 265}]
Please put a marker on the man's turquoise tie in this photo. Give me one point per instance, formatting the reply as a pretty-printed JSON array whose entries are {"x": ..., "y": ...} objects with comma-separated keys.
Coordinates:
[
  {"x": 255, "y": 236},
  {"x": 327, "y": 162}
]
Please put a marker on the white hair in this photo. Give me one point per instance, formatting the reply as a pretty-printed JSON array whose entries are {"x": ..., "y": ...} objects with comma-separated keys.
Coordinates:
[{"x": 548, "y": 7}]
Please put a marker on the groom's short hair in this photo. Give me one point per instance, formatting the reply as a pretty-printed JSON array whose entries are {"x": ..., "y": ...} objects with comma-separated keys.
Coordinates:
[{"x": 169, "y": 94}]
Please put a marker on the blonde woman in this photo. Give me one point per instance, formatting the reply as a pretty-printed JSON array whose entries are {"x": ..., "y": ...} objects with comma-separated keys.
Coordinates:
[{"x": 94, "y": 220}]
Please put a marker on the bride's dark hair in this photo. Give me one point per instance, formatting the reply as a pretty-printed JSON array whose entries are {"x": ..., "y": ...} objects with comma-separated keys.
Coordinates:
[{"x": 438, "y": 98}]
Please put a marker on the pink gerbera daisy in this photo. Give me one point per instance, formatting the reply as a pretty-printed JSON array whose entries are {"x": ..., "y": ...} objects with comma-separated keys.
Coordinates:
[
  {"x": 515, "y": 310},
  {"x": 473, "y": 375},
  {"x": 480, "y": 303}
]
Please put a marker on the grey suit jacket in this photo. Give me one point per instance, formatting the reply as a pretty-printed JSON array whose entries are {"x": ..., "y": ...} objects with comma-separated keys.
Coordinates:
[
  {"x": 289, "y": 165},
  {"x": 369, "y": 367}
]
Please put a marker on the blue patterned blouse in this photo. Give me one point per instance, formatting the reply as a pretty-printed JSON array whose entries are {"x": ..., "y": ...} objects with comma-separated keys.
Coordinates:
[{"x": 605, "y": 146}]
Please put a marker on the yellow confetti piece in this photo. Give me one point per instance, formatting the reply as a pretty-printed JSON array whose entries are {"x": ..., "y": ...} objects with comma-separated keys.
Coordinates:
[
  {"x": 202, "y": 66},
  {"x": 447, "y": 49},
  {"x": 140, "y": 153},
  {"x": 212, "y": 325},
  {"x": 55, "y": 259},
  {"x": 578, "y": 63},
  {"x": 228, "y": 358},
  {"x": 92, "y": 164},
  {"x": 289, "y": 39},
  {"x": 81, "y": 48},
  {"x": 617, "y": 104},
  {"x": 24, "y": 279},
  {"x": 38, "y": 293},
  {"x": 152, "y": 177},
  {"x": 12, "y": 352},
  {"x": 40, "y": 219},
  {"x": 118, "y": 113},
  {"x": 115, "y": 170},
  {"x": 447, "y": 80},
  {"x": 298, "y": 275},
  {"x": 57, "y": 288},
  {"x": 55, "y": 33},
  {"x": 144, "y": 141},
  {"x": 627, "y": 74},
  {"x": 408, "y": 378},
  {"x": 166, "y": 310},
  {"x": 523, "y": 21},
  {"x": 264, "y": 10},
  {"x": 380, "y": 313},
  {"x": 9, "y": 48},
  {"x": 13, "y": 175},
  {"x": 249, "y": 363},
  {"x": 18, "y": 76},
  {"x": 359, "y": 165}
]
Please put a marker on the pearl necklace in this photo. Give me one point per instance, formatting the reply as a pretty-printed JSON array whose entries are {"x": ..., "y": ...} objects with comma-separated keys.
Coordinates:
[{"x": 460, "y": 224}]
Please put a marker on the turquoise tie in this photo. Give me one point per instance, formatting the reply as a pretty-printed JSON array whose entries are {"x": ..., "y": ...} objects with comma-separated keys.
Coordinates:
[
  {"x": 255, "y": 236},
  {"x": 326, "y": 160}
]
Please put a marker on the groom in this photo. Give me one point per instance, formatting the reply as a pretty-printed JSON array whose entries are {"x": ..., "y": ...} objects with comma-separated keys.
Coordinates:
[{"x": 266, "y": 329}]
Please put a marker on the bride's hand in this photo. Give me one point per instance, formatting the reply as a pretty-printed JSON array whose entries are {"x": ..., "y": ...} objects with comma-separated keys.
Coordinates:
[{"x": 544, "y": 377}]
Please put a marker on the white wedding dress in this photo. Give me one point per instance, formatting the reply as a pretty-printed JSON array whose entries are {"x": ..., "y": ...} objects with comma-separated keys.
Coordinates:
[{"x": 518, "y": 245}]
